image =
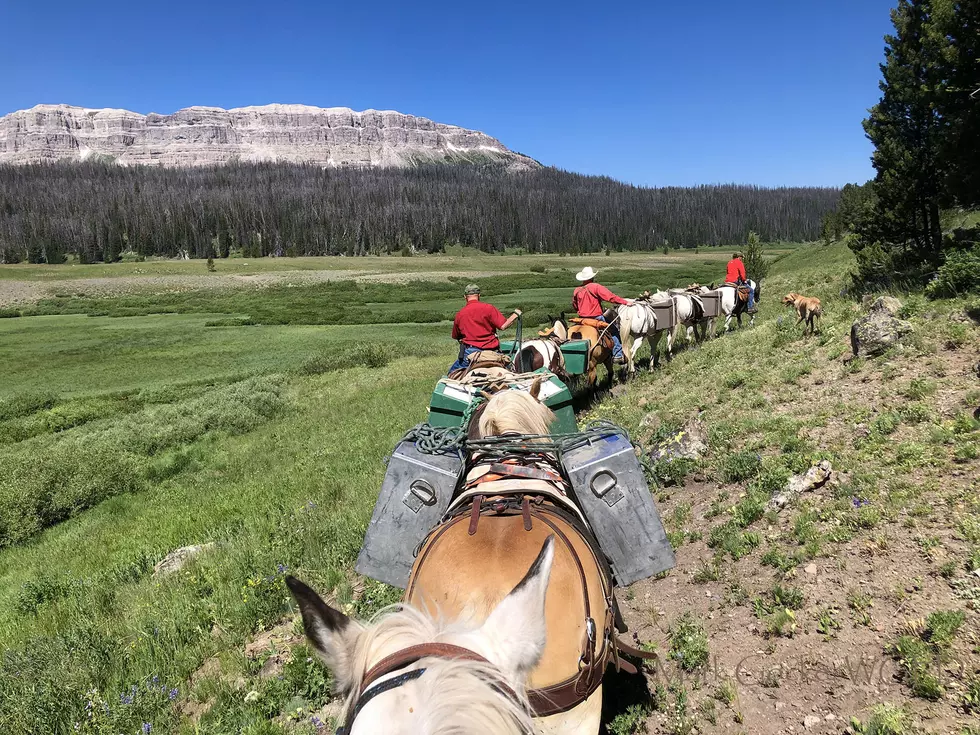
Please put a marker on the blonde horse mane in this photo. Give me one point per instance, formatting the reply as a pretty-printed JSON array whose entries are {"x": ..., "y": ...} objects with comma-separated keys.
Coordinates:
[
  {"x": 516, "y": 412},
  {"x": 455, "y": 696}
]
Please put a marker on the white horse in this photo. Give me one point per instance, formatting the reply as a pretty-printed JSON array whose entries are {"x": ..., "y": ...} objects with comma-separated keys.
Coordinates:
[
  {"x": 690, "y": 314},
  {"x": 406, "y": 674},
  {"x": 637, "y": 322},
  {"x": 732, "y": 307}
]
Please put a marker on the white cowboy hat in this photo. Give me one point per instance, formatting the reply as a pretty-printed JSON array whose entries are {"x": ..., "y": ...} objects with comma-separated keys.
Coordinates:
[{"x": 586, "y": 274}]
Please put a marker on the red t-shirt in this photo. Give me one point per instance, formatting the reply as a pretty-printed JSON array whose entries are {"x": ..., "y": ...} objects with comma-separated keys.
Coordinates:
[
  {"x": 587, "y": 300},
  {"x": 736, "y": 270},
  {"x": 476, "y": 324}
]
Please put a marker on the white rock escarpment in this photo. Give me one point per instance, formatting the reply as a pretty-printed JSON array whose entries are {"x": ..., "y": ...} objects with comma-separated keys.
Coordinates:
[{"x": 197, "y": 136}]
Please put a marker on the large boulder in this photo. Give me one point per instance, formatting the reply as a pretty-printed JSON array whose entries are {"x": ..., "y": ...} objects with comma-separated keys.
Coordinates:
[{"x": 880, "y": 328}]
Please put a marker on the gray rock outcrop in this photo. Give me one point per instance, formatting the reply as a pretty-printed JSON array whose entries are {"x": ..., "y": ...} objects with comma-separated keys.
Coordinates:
[
  {"x": 198, "y": 136},
  {"x": 179, "y": 558},
  {"x": 815, "y": 477},
  {"x": 880, "y": 328}
]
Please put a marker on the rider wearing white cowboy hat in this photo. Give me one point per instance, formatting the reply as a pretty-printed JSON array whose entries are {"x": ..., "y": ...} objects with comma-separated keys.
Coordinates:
[{"x": 587, "y": 301}]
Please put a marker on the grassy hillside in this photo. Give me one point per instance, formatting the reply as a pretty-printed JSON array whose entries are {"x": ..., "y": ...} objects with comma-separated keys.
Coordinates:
[{"x": 135, "y": 435}]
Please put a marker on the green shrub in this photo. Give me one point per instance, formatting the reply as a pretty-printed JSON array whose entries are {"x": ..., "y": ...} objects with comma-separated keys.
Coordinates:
[
  {"x": 50, "y": 478},
  {"x": 958, "y": 275},
  {"x": 368, "y": 355},
  {"x": 25, "y": 404},
  {"x": 942, "y": 626},
  {"x": 741, "y": 466},
  {"x": 885, "y": 719},
  {"x": 916, "y": 659},
  {"x": 669, "y": 472},
  {"x": 688, "y": 643}
]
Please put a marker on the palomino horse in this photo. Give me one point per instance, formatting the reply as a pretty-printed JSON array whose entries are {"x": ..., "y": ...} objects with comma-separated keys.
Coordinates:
[
  {"x": 408, "y": 673},
  {"x": 638, "y": 322},
  {"x": 733, "y": 306},
  {"x": 544, "y": 352},
  {"x": 600, "y": 346},
  {"x": 492, "y": 533}
]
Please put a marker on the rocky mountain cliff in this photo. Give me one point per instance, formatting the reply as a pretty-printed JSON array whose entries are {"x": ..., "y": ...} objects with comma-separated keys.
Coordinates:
[{"x": 198, "y": 136}]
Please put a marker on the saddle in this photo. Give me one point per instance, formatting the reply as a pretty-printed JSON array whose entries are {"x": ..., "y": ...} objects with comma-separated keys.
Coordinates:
[
  {"x": 601, "y": 327},
  {"x": 542, "y": 513},
  {"x": 741, "y": 292}
]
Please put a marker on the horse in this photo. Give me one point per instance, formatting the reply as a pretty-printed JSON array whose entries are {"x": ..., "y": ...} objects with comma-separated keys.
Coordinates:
[
  {"x": 506, "y": 510},
  {"x": 733, "y": 306},
  {"x": 544, "y": 352},
  {"x": 637, "y": 321},
  {"x": 600, "y": 346},
  {"x": 409, "y": 672},
  {"x": 690, "y": 314}
]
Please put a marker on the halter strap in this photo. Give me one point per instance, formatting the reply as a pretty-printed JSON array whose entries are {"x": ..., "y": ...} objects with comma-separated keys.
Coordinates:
[{"x": 407, "y": 657}]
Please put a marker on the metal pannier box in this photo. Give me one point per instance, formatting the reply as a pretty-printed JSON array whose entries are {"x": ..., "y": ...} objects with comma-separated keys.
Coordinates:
[
  {"x": 666, "y": 313},
  {"x": 414, "y": 496},
  {"x": 712, "y": 303},
  {"x": 612, "y": 492},
  {"x": 450, "y": 399}
]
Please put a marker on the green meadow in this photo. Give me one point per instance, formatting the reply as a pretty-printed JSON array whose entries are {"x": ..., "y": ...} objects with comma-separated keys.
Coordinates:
[{"x": 259, "y": 419}]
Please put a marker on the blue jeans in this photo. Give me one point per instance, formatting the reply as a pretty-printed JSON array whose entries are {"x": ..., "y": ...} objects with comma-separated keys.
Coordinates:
[
  {"x": 614, "y": 333},
  {"x": 462, "y": 360}
]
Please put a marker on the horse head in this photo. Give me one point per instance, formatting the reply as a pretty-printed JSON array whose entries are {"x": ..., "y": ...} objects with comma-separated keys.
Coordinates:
[
  {"x": 515, "y": 411},
  {"x": 468, "y": 679}
]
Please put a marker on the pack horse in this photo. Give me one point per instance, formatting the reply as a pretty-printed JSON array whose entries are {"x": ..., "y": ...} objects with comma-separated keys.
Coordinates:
[{"x": 509, "y": 610}]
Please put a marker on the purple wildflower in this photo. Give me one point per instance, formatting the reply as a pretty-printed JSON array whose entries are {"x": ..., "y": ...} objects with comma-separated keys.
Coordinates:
[
  {"x": 173, "y": 694},
  {"x": 281, "y": 568},
  {"x": 316, "y": 722},
  {"x": 146, "y": 728}
]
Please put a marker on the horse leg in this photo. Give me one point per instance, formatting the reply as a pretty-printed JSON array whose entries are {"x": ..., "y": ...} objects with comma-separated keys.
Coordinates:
[
  {"x": 634, "y": 351},
  {"x": 728, "y": 321},
  {"x": 654, "y": 342}
]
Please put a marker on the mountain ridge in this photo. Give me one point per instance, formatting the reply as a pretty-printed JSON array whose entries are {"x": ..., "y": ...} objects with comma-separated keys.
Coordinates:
[{"x": 204, "y": 135}]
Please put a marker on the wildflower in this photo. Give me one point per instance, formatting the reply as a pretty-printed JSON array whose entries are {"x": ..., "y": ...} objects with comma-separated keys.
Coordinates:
[
  {"x": 146, "y": 728},
  {"x": 173, "y": 694},
  {"x": 316, "y": 722},
  {"x": 281, "y": 568}
]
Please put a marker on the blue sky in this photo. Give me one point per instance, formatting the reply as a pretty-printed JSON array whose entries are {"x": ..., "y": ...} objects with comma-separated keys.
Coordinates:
[{"x": 767, "y": 92}]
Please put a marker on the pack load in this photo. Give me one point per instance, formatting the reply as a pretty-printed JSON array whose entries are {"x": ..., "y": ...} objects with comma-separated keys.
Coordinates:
[
  {"x": 608, "y": 484},
  {"x": 712, "y": 303},
  {"x": 416, "y": 492},
  {"x": 453, "y": 401},
  {"x": 666, "y": 313}
]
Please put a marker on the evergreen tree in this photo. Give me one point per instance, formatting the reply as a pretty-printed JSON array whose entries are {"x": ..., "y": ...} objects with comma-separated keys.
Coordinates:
[{"x": 906, "y": 132}]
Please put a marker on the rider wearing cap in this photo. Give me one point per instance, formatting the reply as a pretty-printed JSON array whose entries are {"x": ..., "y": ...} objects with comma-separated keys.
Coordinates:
[
  {"x": 476, "y": 325},
  {"x": 587, "y": 301},
  {"x": 736, "y": 274}
]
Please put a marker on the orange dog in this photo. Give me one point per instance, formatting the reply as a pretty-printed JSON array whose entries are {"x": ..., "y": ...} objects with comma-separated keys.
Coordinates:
[{"x": 808, "y": 308}]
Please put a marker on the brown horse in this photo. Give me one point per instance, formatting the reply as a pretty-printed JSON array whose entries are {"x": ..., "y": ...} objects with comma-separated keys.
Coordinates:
[
  {"x": 494, "y": 531},
  {"x": 600, "y": 346}
]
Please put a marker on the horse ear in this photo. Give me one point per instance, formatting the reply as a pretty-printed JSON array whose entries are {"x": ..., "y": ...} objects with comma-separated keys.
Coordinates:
[
  {"x": 515, "y": 630},
  {"x": 332, "y": 634},
  {"x": 536, "y": 388}
]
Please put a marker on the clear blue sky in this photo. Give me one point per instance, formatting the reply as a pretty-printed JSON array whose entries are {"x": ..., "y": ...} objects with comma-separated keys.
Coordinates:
[{"x": 653, "y": 92}]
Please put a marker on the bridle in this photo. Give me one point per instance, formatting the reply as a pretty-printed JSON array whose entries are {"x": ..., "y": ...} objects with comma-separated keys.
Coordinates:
[{"x": 406, "y": 657}]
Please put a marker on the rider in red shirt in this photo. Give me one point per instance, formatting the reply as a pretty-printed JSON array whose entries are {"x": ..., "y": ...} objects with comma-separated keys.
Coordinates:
[
  {"x": 476, "y": 325},
  {"x": 587, "y": 301},
  {"x": 736, "y": 274}
]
